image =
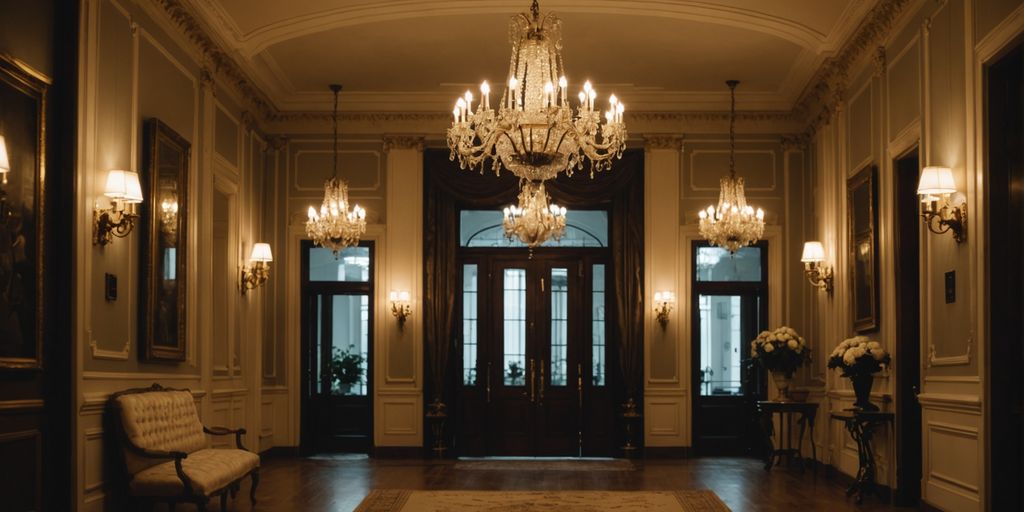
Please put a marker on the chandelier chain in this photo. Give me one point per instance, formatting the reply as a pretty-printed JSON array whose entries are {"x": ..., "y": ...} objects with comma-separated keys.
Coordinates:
[
  {"x": 334, "y": 122},
  {"x": 732, "y": 127}
]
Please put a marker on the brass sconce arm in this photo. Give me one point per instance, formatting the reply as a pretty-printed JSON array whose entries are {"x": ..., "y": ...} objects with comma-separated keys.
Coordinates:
[
  {"x": 663, "y": 303},
  {"x": 401, "y": 306},
  {"x": 945, "y": 218},
  {"x": 819, "y": 276},
  {"x": 256, "y": 276},
  {"x": 118, "y": 220}
]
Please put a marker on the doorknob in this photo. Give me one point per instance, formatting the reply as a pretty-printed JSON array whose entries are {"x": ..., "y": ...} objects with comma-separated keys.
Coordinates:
[
  {"x": 488, "y": 382},
  {"x": 542, "y": 365},
  {"x": 533, "y": 380}
]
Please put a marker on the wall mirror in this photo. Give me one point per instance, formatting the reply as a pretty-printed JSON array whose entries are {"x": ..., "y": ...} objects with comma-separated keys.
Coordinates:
[
  {"x": 863, "y": 232},
  {"x": 22, "y": 132},
  {"x": 164, "y": 242}
]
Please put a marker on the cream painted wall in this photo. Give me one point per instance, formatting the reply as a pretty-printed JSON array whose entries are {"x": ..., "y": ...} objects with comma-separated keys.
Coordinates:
[
  {"x": 925, "y": 92},
  {"x": 136, "y": 66}
]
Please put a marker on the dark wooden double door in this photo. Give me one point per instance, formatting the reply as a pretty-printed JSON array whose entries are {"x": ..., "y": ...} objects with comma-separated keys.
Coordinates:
[{"x": 535, "y": 357}]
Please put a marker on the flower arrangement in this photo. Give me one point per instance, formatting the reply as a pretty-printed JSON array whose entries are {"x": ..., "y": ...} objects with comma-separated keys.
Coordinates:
[
  {"x": 859, "y": 356},
  {"x": 781, "y": 350},
  {"x": 346, "y": 369}
]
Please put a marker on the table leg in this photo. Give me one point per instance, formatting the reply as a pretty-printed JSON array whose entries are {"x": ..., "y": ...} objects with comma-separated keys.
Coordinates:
[
  {"x": 800, "y": 441},
  {"x": 768, "y": 428}
]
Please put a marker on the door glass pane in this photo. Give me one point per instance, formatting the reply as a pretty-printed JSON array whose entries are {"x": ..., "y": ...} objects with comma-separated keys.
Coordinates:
[
  {"x": 514, "y": 317},
  {"x": 351, "y": 265},
  {"x": 720, "y": 344},
  {"x": 559, "y": 326},
  {"x": 350, "y": 329},
  {"x": 715, "y": 264},
  {"x": 469, "y": 324},
  {"x": 597, "y": 360}
]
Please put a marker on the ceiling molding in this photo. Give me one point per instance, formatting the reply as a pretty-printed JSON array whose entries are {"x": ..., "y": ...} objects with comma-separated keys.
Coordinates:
[
  {"x": 826, "y": 91},
  {"x": 251, "y": 43}
]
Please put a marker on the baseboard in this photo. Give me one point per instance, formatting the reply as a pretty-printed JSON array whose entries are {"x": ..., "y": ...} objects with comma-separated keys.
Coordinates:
[
  {"x": 667, "y": 452},
  {"x": 926, "y": 507},
  {"x": 280, "y": 451},
  {"x": 399, "y": 452}
]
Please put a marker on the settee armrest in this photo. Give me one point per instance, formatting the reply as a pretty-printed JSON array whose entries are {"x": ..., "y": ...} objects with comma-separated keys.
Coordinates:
[{"x": 223, "y": 431}]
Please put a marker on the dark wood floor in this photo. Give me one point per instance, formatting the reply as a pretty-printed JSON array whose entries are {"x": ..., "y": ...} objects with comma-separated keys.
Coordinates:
[{"x": 339, "y": 483}]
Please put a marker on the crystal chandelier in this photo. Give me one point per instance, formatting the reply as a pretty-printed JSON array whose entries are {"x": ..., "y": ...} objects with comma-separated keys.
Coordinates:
[
  {"x": 335, "y": 227},
  {"x": 534, "y": 132},
  {"x": 533, "y": 221},
  {"x": 732, "y": 224}
]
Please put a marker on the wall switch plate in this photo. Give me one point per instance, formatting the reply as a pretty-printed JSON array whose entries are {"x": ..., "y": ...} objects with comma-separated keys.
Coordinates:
[
  {"x": 110, "y": 287},
  {"x": 950, "y": 287}
]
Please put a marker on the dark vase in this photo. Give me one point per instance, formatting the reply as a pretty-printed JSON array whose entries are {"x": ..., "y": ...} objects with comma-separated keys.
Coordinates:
[{"x": 862, "y": 388}]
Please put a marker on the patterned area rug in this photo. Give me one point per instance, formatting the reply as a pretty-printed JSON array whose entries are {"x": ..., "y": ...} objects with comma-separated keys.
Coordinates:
[
  {"x": 545, "y": 465},
  {"x": 387, "y": 500}
]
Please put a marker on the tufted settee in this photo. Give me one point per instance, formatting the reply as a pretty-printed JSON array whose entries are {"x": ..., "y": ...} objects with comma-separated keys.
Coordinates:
[{"x": 165, "y": 452}]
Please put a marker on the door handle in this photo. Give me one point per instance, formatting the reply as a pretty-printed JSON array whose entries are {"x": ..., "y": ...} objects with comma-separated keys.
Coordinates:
[
  {"x": 541, "y": 401},
  {"x": 532, "y": 380},
  {"x": 488, "y": 382},
  {"x": 579, "y": 383}
]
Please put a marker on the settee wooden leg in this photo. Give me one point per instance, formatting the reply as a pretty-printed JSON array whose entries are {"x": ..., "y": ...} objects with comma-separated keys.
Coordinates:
[
  {"x": 223, "y": 501},
  {"x": 255, "y": 482},
  {"x": 201, "y": 505}
]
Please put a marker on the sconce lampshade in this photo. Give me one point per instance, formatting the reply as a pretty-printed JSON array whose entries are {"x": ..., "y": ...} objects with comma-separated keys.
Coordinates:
[
  {"x": 664, "y": 297},
  {"x": 402, "y": 296},
  {"x": 117, "y": 184},
  {"x": 814, "y": 252},
  {"x": 936, "y": 181},
  {"x": 261, "y": 252},
  {"x": 5, "y": 162},
  {"x": 133, "y": 189}
]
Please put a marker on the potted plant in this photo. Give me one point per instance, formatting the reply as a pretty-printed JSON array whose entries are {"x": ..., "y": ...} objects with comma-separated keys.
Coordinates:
[
  {"x": 860, "y": 359},
  {"x": 781, "y": 352},
  {"x": 346, "y": 369},
  {"x": 514, "y": 373}
]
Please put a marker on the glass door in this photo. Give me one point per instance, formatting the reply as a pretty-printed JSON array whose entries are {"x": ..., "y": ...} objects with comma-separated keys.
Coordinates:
[
  {"x": 729, "y": 309},
  {"x": 336, "y": 349}
]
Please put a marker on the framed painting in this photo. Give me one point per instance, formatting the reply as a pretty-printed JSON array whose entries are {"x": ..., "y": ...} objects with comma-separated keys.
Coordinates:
[
  {"x": 22, "y": 171},
  {"x": 863, "y": 243},
  {"x": 164, "y": 236}
]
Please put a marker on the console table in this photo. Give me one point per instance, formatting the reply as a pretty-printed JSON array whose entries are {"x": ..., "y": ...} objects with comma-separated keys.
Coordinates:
[
  {"x": 862, "y": 426},
  {"x": 806, "y": 411}
]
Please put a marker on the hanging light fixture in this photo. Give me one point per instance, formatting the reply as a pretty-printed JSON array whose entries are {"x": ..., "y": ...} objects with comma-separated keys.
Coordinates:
[
  {"x": 534, "y": 132},
  {"x": 533, "y": 220},
  {"x": 335, "y": 227},
  {"x": 733, "y": 224}
]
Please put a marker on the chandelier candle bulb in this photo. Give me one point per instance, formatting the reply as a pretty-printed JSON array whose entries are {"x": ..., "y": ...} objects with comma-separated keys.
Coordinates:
[
  {"x": 485, "y": 92},
  {"x": 5, "y": 162}
]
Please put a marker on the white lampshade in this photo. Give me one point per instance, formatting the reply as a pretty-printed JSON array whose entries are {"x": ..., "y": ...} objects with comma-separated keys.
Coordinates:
[
  {"x": 936, "y": 181},
  {"x": 133, "y": 189},
  {"x": 117, "y": 184},
  {"x": 398, "y": 296},
  {"x": 5, "y": 162},
  {"x": 261, "y": 252},
  {"x": 814, "y": 252},
  {"x": 665, "y": 296}
]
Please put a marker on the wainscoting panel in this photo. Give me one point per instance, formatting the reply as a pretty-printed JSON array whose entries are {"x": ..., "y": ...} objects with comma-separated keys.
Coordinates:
[
  {"x": 664, "y": 418},
  {"x": 953, "y": 452},
  {"x": 397, "y": 416}
]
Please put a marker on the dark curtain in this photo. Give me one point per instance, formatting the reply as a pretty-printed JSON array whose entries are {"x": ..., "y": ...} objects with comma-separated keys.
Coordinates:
[{"x": 447, "y": 189}]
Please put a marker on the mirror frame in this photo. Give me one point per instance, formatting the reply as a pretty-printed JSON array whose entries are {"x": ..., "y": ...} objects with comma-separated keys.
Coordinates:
[
  {"x": 157, "y": 135},
  {"x": 21, "y": 79}
]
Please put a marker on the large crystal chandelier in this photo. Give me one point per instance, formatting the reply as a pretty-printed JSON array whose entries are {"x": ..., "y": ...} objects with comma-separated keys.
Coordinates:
[
  {"x": 733, "y": 224},
  {"x": 533, "y": 220},
  {"x": 534, "y": 132},
  {"x": 335, "y": 227}
]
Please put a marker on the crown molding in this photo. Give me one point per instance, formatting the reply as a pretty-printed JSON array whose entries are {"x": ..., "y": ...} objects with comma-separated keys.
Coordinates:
[{"x": 825, "y": 93}]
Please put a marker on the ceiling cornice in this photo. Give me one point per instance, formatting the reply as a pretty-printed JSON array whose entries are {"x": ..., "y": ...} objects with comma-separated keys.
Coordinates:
[
  {"x": 814, "y": 107},
  {"x": 826, "y": 92}
]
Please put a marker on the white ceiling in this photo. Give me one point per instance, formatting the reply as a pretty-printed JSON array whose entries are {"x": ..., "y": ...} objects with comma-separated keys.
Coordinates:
[{"x": 402, "y": 55}]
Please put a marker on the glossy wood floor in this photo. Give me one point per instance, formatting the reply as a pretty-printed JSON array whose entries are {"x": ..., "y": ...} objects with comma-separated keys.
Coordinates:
[{"x": 339, "y": 483}]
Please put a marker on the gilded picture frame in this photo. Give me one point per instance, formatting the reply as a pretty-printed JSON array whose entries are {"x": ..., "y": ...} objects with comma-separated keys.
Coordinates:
[
  {"x": 862, "y": 204},
  {"x": 164, "y": 226},
  {"x": 23, "y": 102}
]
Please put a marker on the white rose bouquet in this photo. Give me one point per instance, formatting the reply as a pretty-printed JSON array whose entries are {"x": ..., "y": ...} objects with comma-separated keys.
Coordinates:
[
  {"x": 780, "y": 350},
  {"x": 859, "y": 356}
]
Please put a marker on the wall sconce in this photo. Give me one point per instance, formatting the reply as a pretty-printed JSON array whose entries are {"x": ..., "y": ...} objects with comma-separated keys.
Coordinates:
[
  {"x": 663, "y": 303},
  {"x": 400, "y": 306},
  {"x": 5, "y": 161},
  {"x": 255, "y": 276},
  {"x": 125, "y": 192},
  {"x": 819, "y": 275},
  {"x": 938, "y": 186}
]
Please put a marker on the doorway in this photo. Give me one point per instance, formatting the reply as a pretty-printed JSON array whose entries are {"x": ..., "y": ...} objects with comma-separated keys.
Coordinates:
[
  {"x": 337, "y": 347},
  {"x": 1005, "y": 152},
  {"x": 908, "y": 329},
  {"x": 729, "y": 307},
  {"x": 535, "y": 354}
]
